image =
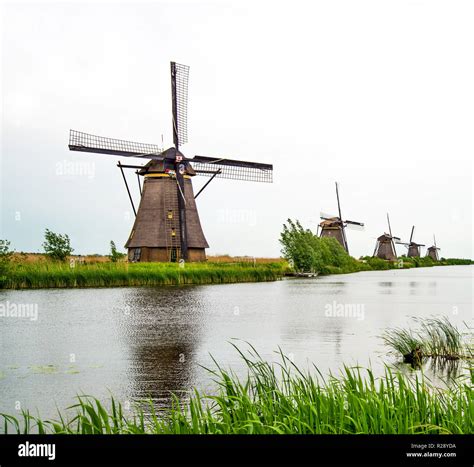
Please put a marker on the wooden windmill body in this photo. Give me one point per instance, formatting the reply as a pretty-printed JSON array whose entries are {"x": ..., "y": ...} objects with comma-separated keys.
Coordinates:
[
  {"x": 414, "y": 249},
  {"x": 167, "y": 225},
  {"x": 385, "y": 246},
  {"x": 334, "y": 226},
  {"x": 432, "y": 251},
  {"x": 156, "y": 232}
]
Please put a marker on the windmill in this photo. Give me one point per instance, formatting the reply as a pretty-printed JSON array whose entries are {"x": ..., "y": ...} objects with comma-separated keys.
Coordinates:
[
  {"x": 167, "y": 225},
  {"x": 432, "y": 251},
  {"x": 414, "y": 249},
  {"x": 334, "y": 226},
  {"x": 385, "y": 246}
]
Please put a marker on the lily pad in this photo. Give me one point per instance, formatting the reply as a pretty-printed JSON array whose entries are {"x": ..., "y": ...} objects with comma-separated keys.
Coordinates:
[{"x": 44, "y": 369}]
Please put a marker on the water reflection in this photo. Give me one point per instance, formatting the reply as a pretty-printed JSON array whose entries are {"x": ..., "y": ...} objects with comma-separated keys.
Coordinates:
[
  {"x": 162, "y": 333},
  {"x": 439, "y": 372}
]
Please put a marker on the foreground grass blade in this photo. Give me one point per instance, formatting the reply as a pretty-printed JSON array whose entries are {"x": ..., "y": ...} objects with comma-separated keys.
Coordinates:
[{"x": 279, "y": 398}]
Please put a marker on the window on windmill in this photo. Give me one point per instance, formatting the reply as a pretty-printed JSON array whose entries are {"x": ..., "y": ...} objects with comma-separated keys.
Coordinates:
[
  {"x": 173, "y": 232},
  {"x": 136, "y": 254},
  {"x": 170, "y": 214}
]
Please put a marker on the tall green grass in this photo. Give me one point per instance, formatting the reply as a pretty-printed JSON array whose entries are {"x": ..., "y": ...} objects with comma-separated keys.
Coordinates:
[
  {"x": 435, "y": 337},
  {"x": 278, "y": 398},
  {"x": 54, "y": 274}
]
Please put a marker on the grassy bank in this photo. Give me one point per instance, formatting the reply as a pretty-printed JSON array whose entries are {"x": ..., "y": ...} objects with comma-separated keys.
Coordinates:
[
  {"x": 369, "y": 263},
  {"x": 279, "y": 399},
  {"x": 54, "y": 274},
  {"x": 346, "y": 264},
  {"x": 406, "y": 263}
]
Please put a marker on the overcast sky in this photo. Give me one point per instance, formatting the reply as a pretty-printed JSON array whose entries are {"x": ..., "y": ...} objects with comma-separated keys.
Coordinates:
[{"x": 377, "y": 95}]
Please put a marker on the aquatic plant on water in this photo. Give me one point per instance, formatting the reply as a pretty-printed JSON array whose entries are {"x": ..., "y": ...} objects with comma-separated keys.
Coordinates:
[{"x": 434, "y": 338}]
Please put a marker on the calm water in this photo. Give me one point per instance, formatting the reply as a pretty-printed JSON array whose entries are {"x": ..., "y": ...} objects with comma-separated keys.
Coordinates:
[{"x": 138, "y": 342}]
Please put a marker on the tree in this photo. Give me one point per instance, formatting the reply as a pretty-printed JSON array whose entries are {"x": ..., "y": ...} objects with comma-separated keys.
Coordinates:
[
  {"x": 298, "y": 246},
  {"x": 57, "y": 246},
  {"x": 310, "y": 253},
  {"x": 114, "y": 254},
  {"x": 5, "y": 256}
]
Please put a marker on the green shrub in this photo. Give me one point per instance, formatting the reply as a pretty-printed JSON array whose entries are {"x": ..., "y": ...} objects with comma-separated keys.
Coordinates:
[
  {"x": 378, "y": 264},
  {"x": 5, "y": 260},
  {"x": 57, "y": 246},
  {"x": 309, "y": 253},
  {"x": 114, "y": 254}
]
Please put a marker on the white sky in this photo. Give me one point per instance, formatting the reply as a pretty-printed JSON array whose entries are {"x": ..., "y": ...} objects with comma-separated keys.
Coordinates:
[{"x": 378, "y": 95}]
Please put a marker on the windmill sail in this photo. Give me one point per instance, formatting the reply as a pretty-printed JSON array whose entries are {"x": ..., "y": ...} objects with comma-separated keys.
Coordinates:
[
  {"x": 179, "y": 95},
  {"x": 85, "y": 142},
  {"x": 205, "y": 166},
  {"x": 167, "y": 225},
  {"x": 233, "y": 169}
]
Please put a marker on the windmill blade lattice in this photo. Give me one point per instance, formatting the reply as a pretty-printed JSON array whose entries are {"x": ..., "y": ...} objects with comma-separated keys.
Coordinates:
[
  {"x": 170, "y": 228},
  {"x": 232, "y": 169},
  {"x": 181, "y": 75},
  {"x": 355, "y": 226},
  {"x": 85, "y": 142}
]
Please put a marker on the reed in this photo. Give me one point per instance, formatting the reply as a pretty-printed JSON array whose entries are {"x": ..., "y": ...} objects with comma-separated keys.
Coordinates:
[
  {"x": 278, "y": 398},
  {"x": 435, "y": 338},
  {"x": 60, "y": 275}
]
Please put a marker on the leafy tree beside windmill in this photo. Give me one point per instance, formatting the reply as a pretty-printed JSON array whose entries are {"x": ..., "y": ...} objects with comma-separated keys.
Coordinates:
[{"x": 167, "y": 225}]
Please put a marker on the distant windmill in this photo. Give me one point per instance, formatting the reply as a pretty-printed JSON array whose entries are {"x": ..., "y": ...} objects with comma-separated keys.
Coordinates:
[
  {"x": 167, "y": 225},
  {"x": 432, "y": 251},
  {"x": 414, "y": 249},
  {"x": 385, "y": 246},
  {"x": 334, "y": 226}
]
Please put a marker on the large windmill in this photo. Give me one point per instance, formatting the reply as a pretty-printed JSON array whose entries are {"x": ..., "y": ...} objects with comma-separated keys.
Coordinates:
[
  {"x": 414, "y": 249},
  {"x": 167, "y": 225},
  {"x": 385, "y": 246},
  {"x": 432, "y": 251},
  {"x": 334, "y": 226}
]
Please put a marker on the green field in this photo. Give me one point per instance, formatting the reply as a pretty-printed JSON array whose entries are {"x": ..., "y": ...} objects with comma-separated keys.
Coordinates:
[
  {"x": 53, "y": 274},
  {"x": 56, "y": 274}
]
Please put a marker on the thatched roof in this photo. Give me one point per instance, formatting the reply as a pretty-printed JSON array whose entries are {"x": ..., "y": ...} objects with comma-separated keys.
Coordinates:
[{"x": 333, "y": 222}]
